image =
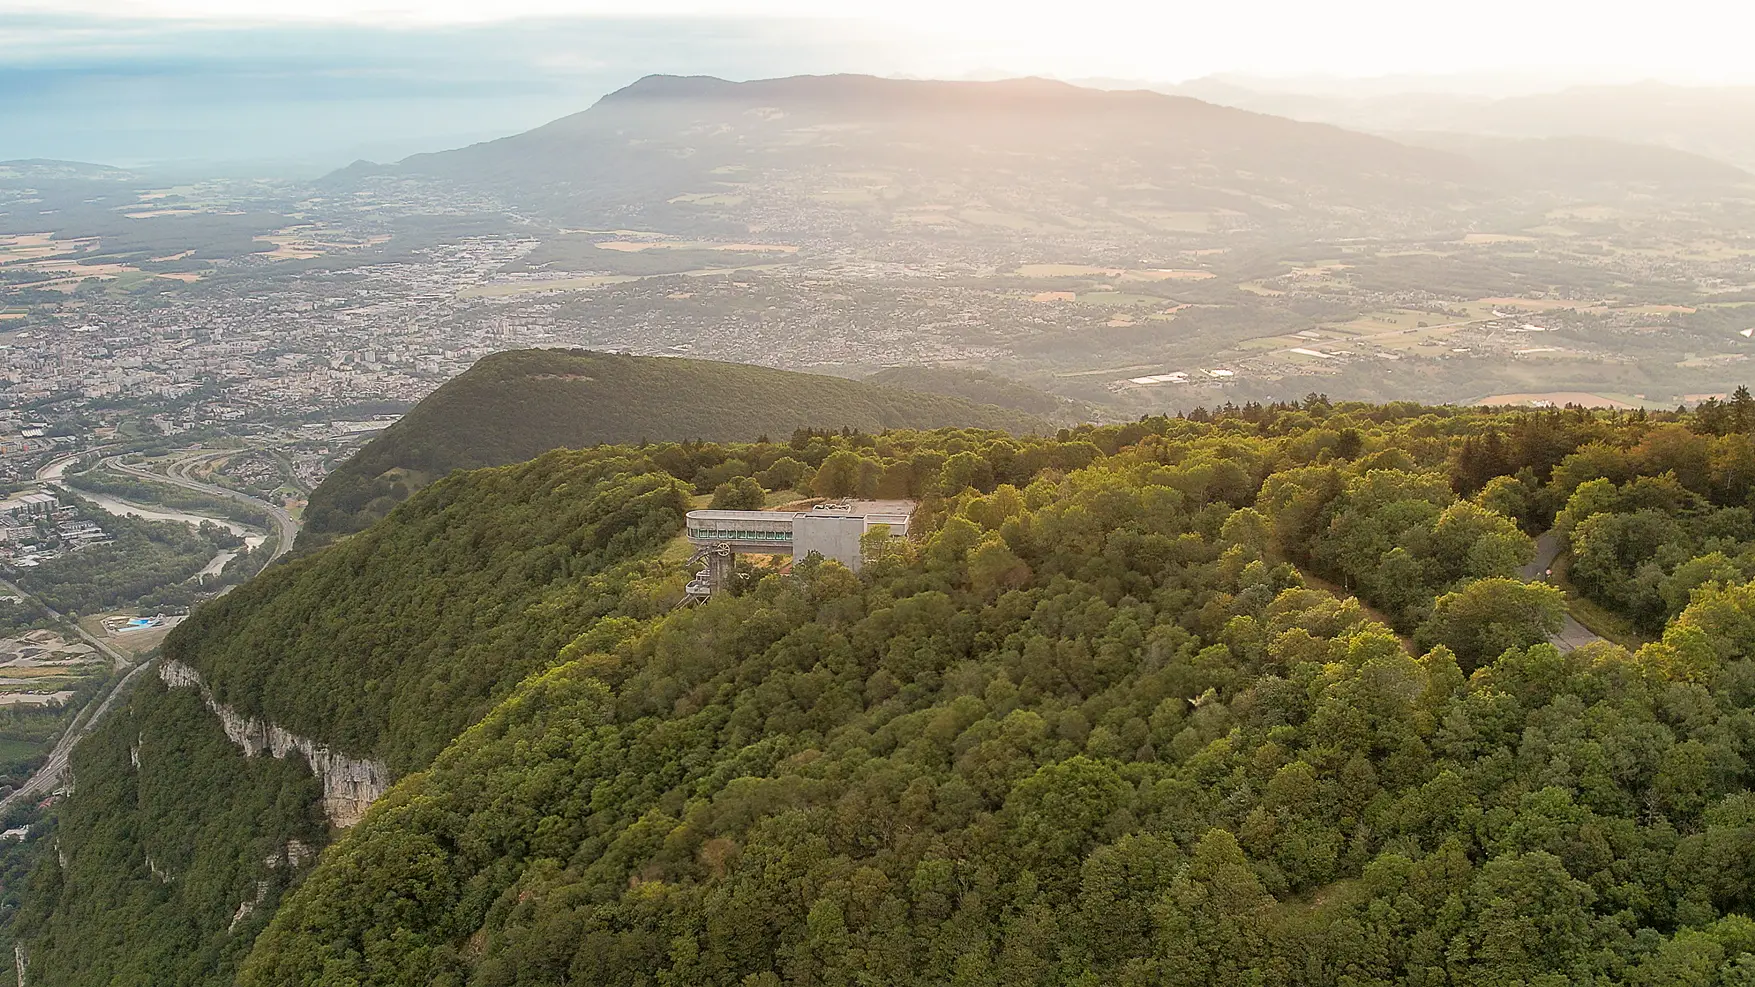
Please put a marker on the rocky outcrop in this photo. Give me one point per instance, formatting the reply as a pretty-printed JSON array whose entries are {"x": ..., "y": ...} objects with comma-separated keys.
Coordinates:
[
  {"x": 293, "y": 855},
  {"x": 248, "y": 906},
  {"x": 350, "y": 784}
]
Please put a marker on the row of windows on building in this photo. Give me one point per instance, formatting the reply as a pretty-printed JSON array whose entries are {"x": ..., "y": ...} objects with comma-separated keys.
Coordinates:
[{"x": 726, "y": 534}]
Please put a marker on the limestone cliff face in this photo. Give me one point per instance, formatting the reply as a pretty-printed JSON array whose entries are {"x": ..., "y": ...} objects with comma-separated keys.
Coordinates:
[{"x": 350, "y": 785}]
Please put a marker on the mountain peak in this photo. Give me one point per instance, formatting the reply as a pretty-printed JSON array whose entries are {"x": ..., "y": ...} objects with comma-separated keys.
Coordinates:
[
  {"x": 655, "y": 151},
  {"x": 662, "y": 86},
  {"x": 867, "y": 91}
]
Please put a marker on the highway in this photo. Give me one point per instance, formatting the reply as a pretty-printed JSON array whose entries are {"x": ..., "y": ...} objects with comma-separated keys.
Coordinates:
[
  {"x": 48, "y": 777},
  {"x": 177, "y": 474}
]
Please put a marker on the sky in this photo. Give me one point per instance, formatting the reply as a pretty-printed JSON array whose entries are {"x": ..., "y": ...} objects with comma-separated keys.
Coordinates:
[{"x": 312, "y": 84}]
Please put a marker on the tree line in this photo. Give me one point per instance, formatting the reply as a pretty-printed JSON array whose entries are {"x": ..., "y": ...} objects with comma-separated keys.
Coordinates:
[{"x": 1096, "y": 722}]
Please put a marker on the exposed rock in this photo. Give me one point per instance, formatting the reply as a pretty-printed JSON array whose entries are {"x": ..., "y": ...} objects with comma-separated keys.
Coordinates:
[
  {"x": 248, "y": 907},
  {"x": 293, "y": 855},
  {"x": 350, "y": 785},
  {"x": 297, "y": 852}
]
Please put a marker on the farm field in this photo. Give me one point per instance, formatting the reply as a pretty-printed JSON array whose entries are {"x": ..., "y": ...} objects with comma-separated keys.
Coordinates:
[
  {"x": 635, "y": 245},
  {"x": 504, "y": 289},
  {"x": 1116, "y": 298},
  {"x": 1124, "y": 274},
  {"x": 1394, "y": 320},
  {"x": 43, "y": 668},
  {"x": 308, "y": 242},
  {"x": 707, "y": 199},
  {"x": 1555, "y": 399}
]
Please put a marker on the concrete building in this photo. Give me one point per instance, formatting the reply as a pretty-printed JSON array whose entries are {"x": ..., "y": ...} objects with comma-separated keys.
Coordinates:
[
  {"x": 34, "y": 504},
  {"x": 832, "y": 530}
]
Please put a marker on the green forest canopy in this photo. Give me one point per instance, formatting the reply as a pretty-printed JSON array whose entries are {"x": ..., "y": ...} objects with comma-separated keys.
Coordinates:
[
  {"x": 1093, "y": 724},
  {"x": 982, "y": 387},
  {"x": 516, "y": 405},
  {"x": 146, "y": 563}
]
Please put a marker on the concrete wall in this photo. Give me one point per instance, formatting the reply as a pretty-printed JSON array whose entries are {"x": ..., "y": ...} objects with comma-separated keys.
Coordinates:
[{"x": 832, "y": 537}]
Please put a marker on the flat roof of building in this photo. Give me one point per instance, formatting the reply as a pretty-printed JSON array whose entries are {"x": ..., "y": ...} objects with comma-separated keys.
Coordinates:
[
  {"x": 18, "y": 501},
  {"x": 877, "y": 506},
  {"x": 839, "y": 508},
  {"x": 827, "y": 510}
]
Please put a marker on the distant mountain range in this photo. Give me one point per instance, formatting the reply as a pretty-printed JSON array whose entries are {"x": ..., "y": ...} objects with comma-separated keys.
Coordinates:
[
  {"x": 849, "y": 156},
  {"x": 1018, "y": 154},
  {"x": 1714, "y": 122},
  {"x": 46, "y": 170}
]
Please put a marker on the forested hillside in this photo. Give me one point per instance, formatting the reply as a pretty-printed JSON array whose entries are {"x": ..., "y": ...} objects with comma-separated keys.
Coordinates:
[
  {"x": 983, "y": 387},
  {"x": 173, "y": 855},
  {"x": 1107, "y": 716},
  {"x": 516, "y": 405},
  {"x": 391, "y": 644},
  {"x": 385, "y": 647}
]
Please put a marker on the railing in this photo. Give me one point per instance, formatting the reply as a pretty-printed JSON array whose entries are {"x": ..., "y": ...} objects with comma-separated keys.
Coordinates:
[{"x": 740, "y": 535}]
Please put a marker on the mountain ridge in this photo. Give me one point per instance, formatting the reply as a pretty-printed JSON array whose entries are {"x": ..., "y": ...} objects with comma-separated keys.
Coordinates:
[
  {"x": 652, "y": 152},
  {"x": 1705, "y": 120},
  {"x": 516, "y": 405},
  {"x": 1089, "y": 723}
]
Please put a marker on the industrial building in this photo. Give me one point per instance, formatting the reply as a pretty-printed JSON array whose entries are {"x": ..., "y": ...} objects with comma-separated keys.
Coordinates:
[
  {"x": 833, "y": 530},
  {"x": 35, "y": 504}
]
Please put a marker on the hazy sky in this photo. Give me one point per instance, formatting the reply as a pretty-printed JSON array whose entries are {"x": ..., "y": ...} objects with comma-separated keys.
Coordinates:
[
  {"x": 1684, "y": 40},
  {"x": 317, "y": 83}
]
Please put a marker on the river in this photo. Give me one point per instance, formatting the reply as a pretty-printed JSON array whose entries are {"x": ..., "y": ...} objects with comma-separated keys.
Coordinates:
[
  {"x": 252, "y": 538},
  {"x": 115, "y": 506}
]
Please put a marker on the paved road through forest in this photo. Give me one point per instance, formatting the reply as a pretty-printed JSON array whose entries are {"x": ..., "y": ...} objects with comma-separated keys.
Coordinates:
[
  {"x": 1572, "y": 634},
  {"x": 48, "y": 777}
]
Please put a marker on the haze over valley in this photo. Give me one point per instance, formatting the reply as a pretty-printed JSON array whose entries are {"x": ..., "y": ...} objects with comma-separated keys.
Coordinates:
[
  {"x": 791, "y": 495},
  {"x": 1135, "y": 251}
]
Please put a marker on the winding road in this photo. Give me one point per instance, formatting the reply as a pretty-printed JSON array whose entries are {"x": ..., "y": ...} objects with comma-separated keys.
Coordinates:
[
  {"x": 47, "y": 778},
  {"x": 177, "y": 475},
  {"x": 1572, "y": 634}
]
